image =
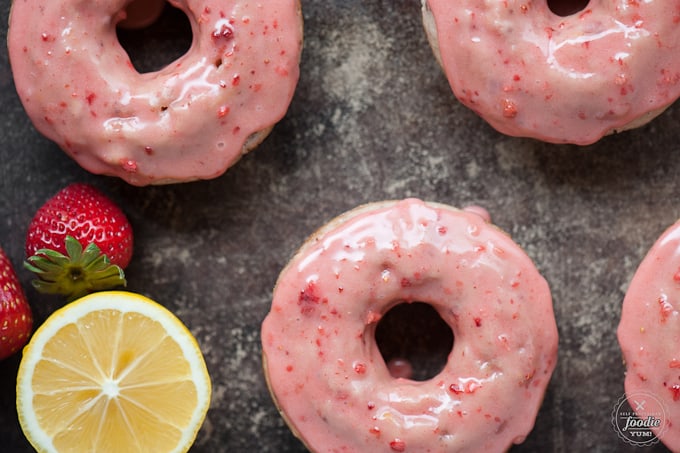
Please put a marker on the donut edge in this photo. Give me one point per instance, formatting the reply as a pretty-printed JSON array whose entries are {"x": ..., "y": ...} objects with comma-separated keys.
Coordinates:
[
  {"x": 430, "y": 26},
  {"x": 627, "y": 346}
]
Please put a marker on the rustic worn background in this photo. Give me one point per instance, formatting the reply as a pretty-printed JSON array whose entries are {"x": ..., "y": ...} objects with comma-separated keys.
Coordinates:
[{"x": 373, "y": 118}]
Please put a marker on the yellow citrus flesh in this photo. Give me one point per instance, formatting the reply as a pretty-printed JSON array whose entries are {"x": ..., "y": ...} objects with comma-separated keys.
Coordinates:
[{"x": 112, "y": 372}]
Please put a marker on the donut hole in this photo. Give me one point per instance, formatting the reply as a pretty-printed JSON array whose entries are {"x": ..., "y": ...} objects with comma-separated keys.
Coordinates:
[
  {"x": 155, "y": 46},
  {"x": 565, "y": 8},
  {"x": 414, "y": 341}
]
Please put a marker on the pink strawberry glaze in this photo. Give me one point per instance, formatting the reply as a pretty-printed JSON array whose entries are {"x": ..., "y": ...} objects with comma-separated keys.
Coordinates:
[
  {"x": 324, "y": 368},
  {"x": 649, "y": 331},
  {"x": 190, "y": 120},
  {"x": 529, "y": 72}
]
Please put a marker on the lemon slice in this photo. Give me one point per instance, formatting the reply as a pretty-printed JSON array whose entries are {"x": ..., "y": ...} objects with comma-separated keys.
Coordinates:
[{"x": 112, "y": 372}]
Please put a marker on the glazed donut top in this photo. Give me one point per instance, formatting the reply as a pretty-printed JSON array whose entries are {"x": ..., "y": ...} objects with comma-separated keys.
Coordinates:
[
  {"x": 324, "y": 367},
  {"x": 189, "y": 120},
  {"x": 530, "y": 72},
  {"x": 649, "y": 331}
]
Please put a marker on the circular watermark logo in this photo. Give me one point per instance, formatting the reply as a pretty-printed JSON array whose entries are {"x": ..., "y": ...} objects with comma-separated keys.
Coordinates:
[{"x": 637, "y": 416}]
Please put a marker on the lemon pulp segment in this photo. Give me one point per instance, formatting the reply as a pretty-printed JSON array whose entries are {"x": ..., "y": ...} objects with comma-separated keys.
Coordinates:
[{"x": 128, "y": 378}]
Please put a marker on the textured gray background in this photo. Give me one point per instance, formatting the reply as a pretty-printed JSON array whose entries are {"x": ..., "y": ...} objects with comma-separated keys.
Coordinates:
[{"x": 373, "y": 118}]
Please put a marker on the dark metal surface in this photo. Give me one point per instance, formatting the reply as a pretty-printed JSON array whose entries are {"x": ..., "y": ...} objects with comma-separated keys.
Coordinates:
[{"x": 373, "y": 118}]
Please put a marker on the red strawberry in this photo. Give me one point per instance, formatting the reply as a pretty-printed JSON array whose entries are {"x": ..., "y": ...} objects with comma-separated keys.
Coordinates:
[
  {"x": 16, "y": 319},
  {"x": 79, "y": 241}
]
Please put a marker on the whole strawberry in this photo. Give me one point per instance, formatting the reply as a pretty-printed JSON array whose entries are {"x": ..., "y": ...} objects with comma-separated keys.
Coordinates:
[
  {"x": 16, "y": 319},
  {"x": 79, "y": 241}
]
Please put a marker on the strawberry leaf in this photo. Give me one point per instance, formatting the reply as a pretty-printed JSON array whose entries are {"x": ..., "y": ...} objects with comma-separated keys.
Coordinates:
[{"x": 75, "y": 274}]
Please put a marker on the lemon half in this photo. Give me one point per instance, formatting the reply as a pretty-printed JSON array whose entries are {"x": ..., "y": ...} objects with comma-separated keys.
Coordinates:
[{"x": 113, "y": 371}]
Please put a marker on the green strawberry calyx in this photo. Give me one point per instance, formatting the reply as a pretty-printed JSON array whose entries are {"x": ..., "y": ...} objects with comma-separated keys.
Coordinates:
[{"x": 75, "y": 274}]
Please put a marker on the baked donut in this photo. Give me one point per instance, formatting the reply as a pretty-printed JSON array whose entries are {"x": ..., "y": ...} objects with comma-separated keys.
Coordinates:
[
  {"x": 571, "y": 78},
  {"x": 326, "y": 373},
  {"x": 190, "y": 120},
  {"x": 649, "y": 332}
]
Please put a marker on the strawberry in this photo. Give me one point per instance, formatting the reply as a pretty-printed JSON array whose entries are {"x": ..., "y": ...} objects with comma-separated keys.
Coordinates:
[
  {"x": 16, "y": 319},
  {"x": 79, "y": 241}
]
